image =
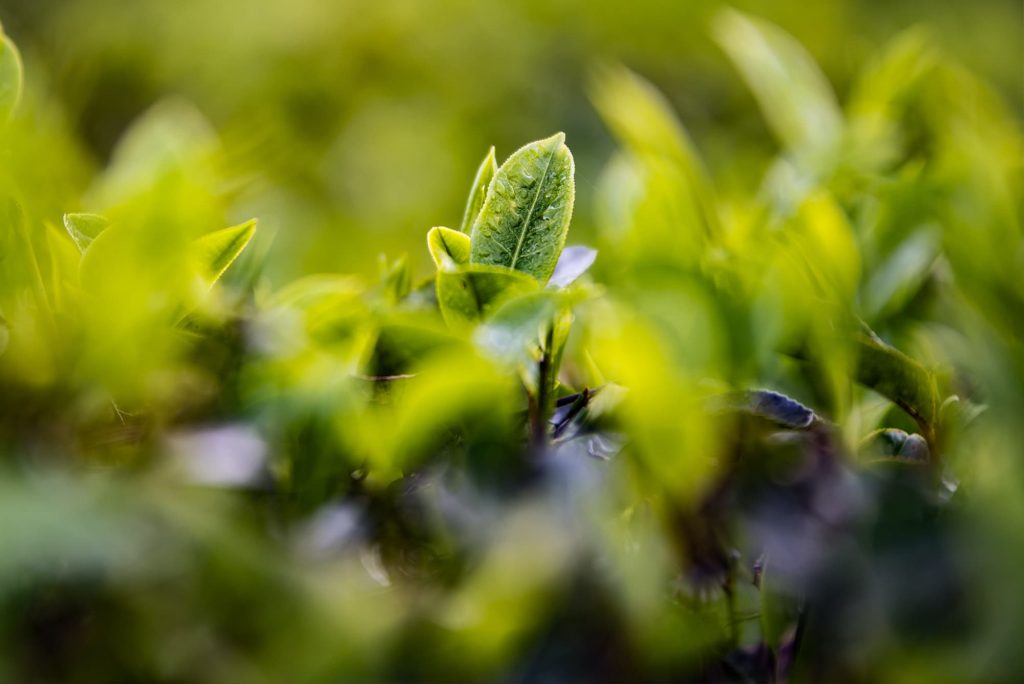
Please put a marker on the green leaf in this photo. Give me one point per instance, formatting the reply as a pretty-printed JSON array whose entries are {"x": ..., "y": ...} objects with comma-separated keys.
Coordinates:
[
  {"x": 11, "y": 76},
  {"x": 214, "y": 252},
  {"x": 83, "y": 228},
  {"x": 395, "y": 279},
  {"x": 525, "y": 217},
  {"x": 21, "y": 270},
  {"x": 448, "y": 248},
  {"x": 794, "y": 95},
  {"x": 643, "y": 122},
  {"x": 469, "y": 294},
  {"x": 478, "y": 193},
  {"x": 899, "y": 378},
  {"x": 892, "y": 78},
  {"x": 895, "y": 281},
  {"x": 520, "y": 330}
]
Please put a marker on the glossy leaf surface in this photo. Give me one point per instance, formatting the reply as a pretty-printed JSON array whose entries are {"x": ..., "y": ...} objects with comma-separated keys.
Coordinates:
[{"x": 525, "y": 217}]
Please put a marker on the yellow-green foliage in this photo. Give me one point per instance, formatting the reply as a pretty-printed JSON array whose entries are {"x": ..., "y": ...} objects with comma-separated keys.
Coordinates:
[{"x": 720, "y": 395}]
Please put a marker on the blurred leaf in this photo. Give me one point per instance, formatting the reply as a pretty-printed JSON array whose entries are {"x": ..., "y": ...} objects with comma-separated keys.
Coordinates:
[
  {"x": 11, "y": 75},
  {"x": 900, "y": 277},
  {"x": 899, "y": 378},
  {"x": 83, "y": 228},
  {"x": 448, "y": 248},
  {"x": 522, "y": 329},
  {"x": 525, "y": 217},
  {"x": 883, "y": 93},
  {"x": 643, "y": 122},
  {"x": 891, "y": 79},
  {"x": 453, "y": 385},
  {"x": 213, "y": 253},
  {"x": 395, "y": 278},
  {"x": 829, "y": 247},
  {"x": 574, "y": 262},
  {"x": 22, "y": 255},
  {"x": 794, "y": 95},
  {"x": 109, "y": 529},
  {"x": 171, "y": 139},
  {"x": 478, "y": 193},
  {"x": 890, "y": 444},
  {"x": 648, "y": 213},
  {"x": 774, "y": 406},
  {"x": 470, "y": 293}
]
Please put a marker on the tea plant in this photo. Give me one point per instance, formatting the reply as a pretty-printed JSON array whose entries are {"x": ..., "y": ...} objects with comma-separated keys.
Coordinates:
[{"x": 765, "y": 431}]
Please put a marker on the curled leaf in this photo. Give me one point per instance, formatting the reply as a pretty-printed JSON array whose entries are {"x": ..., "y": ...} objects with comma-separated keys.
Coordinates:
[
  {"x": 773, "y": 406},
  {"x": 890, "y": 444},
  {"x": 448, "y": 248},
  {"x": 899, "y": 378},
  {"x": 525, "y": 218}
]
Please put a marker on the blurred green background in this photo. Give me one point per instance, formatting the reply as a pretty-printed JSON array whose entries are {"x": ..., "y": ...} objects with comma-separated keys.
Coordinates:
[{"x": 351, "y": 124}]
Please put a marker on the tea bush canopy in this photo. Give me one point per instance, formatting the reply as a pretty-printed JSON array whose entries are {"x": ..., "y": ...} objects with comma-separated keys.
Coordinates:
[{"x": 470, "y": 342}]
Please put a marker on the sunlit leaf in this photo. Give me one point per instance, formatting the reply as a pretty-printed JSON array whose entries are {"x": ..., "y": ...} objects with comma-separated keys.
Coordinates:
[
  {"x": 525, "y": 217},
  {"x": 11, "y": 75},
  {"x": 901, "y": 275},
  {"x": 827, "y": 244},
  {"x": 892, "y": 78},
  {"x": 171, "y": 140},
  {"x": 395, "y": 278},
  {"x": 83, "y": 228},
  {"x": 215, "y": 252},
  {"x": 794, "y": 95},
  {"x": 448, "y": 248},
  {"x": 478, "y": 193},
  {"x": 643, "y": 121}
]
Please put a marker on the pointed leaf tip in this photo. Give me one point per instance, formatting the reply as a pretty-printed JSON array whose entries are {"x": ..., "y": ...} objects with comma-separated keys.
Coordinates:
[
  {"x": 525, "y": 217},
  {"x": 215, "y": 252},
  {"x": 478, "y": 192},
  {"x": 84, "y": 228}
]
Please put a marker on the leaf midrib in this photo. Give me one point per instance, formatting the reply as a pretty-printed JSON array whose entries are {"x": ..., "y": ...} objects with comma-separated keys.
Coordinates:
[{"x": 533, "y": 206}]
